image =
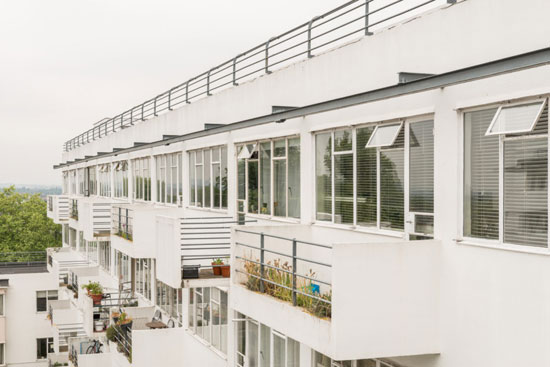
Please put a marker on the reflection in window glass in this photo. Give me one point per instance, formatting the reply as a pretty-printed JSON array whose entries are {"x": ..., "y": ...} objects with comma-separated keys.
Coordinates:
[{"x": 323, "y": 176}]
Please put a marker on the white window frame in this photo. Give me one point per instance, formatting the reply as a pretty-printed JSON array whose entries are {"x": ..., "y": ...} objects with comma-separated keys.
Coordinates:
[
  {"x": 2, "y": 306},
  {"x": 257, "y": 145},
  {"x": 484, "y": 242},
  {"x": 520, "y": 131},
  {"x": 195, "y": 305},
  {"x": 384, "y": 126},
  {"x": 163, "y": 158},
  {"x": 140, "y": 172},
  {"x": 213, "y": 162},
  {"x": 47, "y": 299}
]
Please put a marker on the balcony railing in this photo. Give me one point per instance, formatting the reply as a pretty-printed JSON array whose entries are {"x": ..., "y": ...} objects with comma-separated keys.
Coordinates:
[
  {"x": 269, "y": 271},
  {"x": 122, "y": 222},
  {"x": 122, "y": 335},
  {"x": 74, "y": 209},
  {"x": 340, "y": 25},
  {"x": 85, "y": 345}
]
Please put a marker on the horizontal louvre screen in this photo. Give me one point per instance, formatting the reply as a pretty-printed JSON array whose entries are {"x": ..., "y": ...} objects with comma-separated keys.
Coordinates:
[{"x": 421, "y": 167}]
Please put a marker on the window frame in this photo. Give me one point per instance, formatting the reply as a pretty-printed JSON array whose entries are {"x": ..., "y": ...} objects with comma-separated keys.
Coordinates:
[
  {"x": 163, "y": 172},
  {"x": 408, "y": 216},
  {"x": 49, "y": 346},
  {"x": 257, "y": 146},
  {"x": 383, "y": 125},
  {"x": 212, "y": 162},
  {"x": 193, "y": 316},
  {"x": 497, "y": 243},
  {"x": 139, "y": 171},
  {"x": 511, "y": 105},
  {"x": 47, "y": 299}
]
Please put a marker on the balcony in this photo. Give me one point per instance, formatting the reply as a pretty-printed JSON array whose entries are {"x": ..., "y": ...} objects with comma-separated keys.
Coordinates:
[
  {"x": 95, "y": 219},
  {"x": 58, "y": 208},
  {"x": 193, "y": 251},
  {"x": 346, "y": 294},
  {"x": 122, "y": 222},
  {"x": 86, "y": 351}
]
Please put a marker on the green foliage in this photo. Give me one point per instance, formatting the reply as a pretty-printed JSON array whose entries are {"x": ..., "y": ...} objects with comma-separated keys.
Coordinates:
[
  {"x": 24, "y": 225},
  {"x": 111, "y": 333},
  {"x": 94, "y": 288},
  {"x": 280, "y": 284}
]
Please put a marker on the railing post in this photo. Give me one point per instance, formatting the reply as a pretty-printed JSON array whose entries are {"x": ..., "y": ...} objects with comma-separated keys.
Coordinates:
[
  {"x": 262, "y": 257},
  {"x": 132, "y": 116},
  {"x": 155, "y": 106},
  {"x": 235, "y": 70},
  {"x": 208, "y": 83},
  {"x": 170, "y": 100},
  {"x": 120, "y": 220},
  {"x": 127, "y": 231},
  {"x": 143, "y": 111},
  {"x": 267, "y": 55},
  {"x": 187, "y": 91},
  {"x": 309, "y": 54},
  {"x": 367, "y": 33},
  {"x": 294, "y": 272},
  {"x": 122, "y": 120}
]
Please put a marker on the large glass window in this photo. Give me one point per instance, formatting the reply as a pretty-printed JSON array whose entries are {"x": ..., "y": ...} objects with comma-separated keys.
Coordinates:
[
  {"x": 208, "y": 315},
  {"x": 81, "y": 181},
  {"x": 506, "y": 175},
  {"x": 92, "y": 181},
  {"x": 143, "y": 277},
  {"x": 104, "y": 179},
  {"x": 269, "y": 177},
  {"x": 170, "y": 300},
  {"x": 120, "y": 170},
  {"x": 169, "y": 178},
  {"x": 105, "y": 255},
  {"x": 208, "y": 178},
  {"x": 360, "y": 177},
  {"x": 260, "y": 346},
  {"x": 142, "y": 179}
]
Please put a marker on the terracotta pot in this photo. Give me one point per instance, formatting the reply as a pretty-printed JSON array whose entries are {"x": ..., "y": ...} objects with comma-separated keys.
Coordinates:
[
  {"x": 216, "y": 269},
  {"x": 226, "y": 271},
  {"x": 97, "y": 298}
]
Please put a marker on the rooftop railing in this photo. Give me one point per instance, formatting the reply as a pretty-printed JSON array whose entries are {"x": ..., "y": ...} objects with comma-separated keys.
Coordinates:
[
  {"x": 268, "y": 270},
  {"x": 29, "y": 259},
  {"x": 349, "y": 21}
]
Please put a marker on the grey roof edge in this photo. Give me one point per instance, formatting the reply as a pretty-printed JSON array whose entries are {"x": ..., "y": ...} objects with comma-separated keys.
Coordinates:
[{"x": 468, "y": 74}]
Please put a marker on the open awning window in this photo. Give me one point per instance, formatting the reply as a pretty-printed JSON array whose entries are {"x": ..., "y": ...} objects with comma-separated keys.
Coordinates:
[
  {"x": 516, "y": 119},
  {"x": 247, "y": 151},
  {"x": 384, "y": 135}
]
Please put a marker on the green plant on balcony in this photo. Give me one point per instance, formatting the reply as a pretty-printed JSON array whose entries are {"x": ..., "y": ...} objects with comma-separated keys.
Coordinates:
[
  {"x": 279, "y": 285},
  {"x": 95, "y": 291},
  {"x": 124, "y": 235}
]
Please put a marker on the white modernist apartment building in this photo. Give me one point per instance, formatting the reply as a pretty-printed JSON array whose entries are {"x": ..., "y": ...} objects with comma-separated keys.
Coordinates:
[{"x": 369, "y": 188}]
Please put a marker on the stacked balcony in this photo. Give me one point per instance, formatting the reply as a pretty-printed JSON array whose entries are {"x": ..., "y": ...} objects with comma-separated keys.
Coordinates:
[
  {"x": 95, "y": 219},
  {"x": 58, "y": 208},
  {"x": 366, "y": 296}
]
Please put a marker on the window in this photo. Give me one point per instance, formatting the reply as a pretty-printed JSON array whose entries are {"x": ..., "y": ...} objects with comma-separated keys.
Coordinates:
[
  {"x": 516, "y": 118},
  {"x": 170, "y": 300},
  {"x": 259, "y": 345},
  {"x": 92, "y": 182},
  {"x": 120, "y": 170},
  {"x": 2, "y": 354},
  {"x": 208, "y": 316},
  {"x": 66, "y": 182},
  {"x": 2, "y": 305},
  {"x": 66, "y": 234},
  {"x": 360, "y": 176},
  {"x": 143, "y": 277},
  {"x": 142, "y": 179},
  {"x": 269, "y": 177},
  {"x": 104, "y": 179},
  {"x": 105, "y": 255},
  {"x": 43, "y": 298},
  {"x": 81, "y": 182},
  {"x": 506, "y": 176},
  {"x": 169, "y": 178},
  {"x": 43, "y": 347},
  {"x": 72, "y": 237},
  {"x": 72, "y": 179},
  {"x": 208, "y": 178}
]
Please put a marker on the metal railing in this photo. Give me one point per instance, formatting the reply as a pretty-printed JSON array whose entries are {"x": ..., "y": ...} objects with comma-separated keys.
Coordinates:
[
  {"x": 123, "y": 337},
  {"x": 342, "y": 24},
  {"x": 283, "y": 280},
  {"x": 30, "y": 259},
  {"x": 122, "y": 222},
  {"x": 74, "y": 209}
]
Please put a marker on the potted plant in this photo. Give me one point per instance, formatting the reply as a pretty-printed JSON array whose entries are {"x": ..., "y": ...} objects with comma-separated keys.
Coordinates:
[
  {"x": 125, "y": 322},
  {"x": 216, "y": 266},
  {"x": 225, "y": 270},
  {"x": 95, "y": 291},
  {"x": 116, "y": 316}
]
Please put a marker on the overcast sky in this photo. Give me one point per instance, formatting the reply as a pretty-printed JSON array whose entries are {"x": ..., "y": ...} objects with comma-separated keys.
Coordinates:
[{"x": 65, "y": 64}]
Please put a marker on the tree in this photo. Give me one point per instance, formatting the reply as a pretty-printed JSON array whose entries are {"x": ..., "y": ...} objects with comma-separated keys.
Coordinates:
[{"x": 24, "y": 225}]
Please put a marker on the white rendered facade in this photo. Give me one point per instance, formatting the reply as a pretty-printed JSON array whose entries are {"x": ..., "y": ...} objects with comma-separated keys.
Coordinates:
[{"x": 470, "y": 292}]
